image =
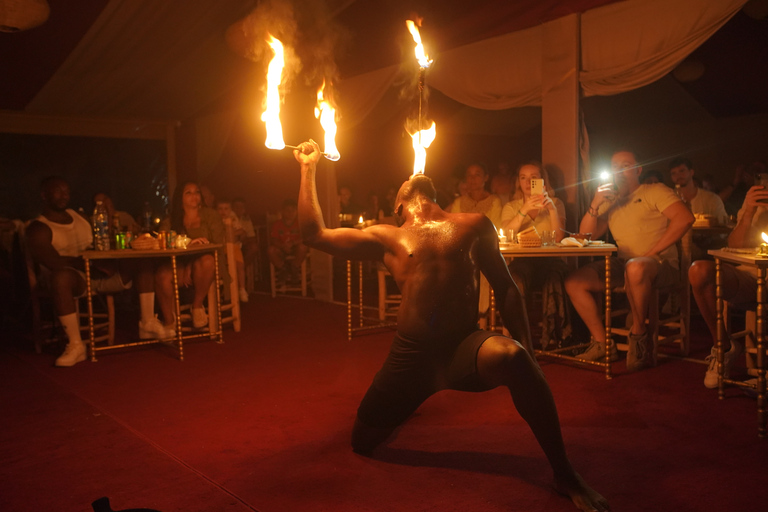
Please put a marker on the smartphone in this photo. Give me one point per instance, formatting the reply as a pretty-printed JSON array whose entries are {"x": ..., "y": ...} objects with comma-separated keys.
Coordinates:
[
  {"x": 762, "y": 179},
  {"x": 537, "y": 186}
]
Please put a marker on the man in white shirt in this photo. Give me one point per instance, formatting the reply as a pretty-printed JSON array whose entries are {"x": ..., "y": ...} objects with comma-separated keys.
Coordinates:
[
  {"x": 702, "y": 202},
  {"x": 646, "y": 221},
  {"x": 738, "y": 285},
  {"x": 55, "y": 240}
]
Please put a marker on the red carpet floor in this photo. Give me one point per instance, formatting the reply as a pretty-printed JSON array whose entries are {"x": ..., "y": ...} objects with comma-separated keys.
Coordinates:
[{"x": 262, "y": 422}]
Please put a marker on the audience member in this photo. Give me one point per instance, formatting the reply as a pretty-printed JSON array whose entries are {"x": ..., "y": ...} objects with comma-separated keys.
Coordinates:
[
  {"x": 701, "y": 202},
  {"x": 250, "y": 242},
  {"x": 646, "y": 221},
  {"x": 229, "y": 217},
  {"x": 202, "y": 225},
  {"x": 734, "y": 194},
  {"x": 372, "y": 209},
  {"x": 209, "y": 199},
  {"x": 547, "y": 214},
  {"x": 477, "y": 199},
  {"x": 55, "y": 240},
  {"x": 708, "y": 183},
  {"x": 651, "y": 176},
  {"x": 502, "y": 183},
  {"x": 738, "y": 285},
  {"x": 285, "y": 241},
  {"x": 127, "y": 222},
  {"x": 347, "y": 204}
]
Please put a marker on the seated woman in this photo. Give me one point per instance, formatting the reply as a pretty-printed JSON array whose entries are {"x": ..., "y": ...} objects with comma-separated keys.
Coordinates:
[
  {"x": 202, "y": 225},
  {"x": 548, "y": 274}
]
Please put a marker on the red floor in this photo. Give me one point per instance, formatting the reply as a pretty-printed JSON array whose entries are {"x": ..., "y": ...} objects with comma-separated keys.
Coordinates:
[{"x": 262, "y": 422}]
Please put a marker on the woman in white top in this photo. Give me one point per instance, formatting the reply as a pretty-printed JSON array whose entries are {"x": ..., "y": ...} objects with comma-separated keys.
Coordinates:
[
  {"x": 546, "y": 213},
  {"x": 526, "y": 210}
]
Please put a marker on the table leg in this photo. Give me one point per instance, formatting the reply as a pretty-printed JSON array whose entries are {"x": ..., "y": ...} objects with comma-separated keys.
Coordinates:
[
  {"x": 360, "y": 289},
  {"x": 720, "y": 329},
  {"x": 218, "y": 328},
  {"x": 608, "y": 333},
  {"x": 89, "y": 299},
  {"x": 349, "y": 300},
  {"x": 179, "y": 338},
  {"x": 760, "y": 328}
]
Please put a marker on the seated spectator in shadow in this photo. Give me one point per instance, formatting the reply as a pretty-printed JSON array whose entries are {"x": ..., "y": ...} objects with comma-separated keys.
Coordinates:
[
  {"x": 250, "y": 241},
  {"x": 503, "y": 183},
  {"x": 744, "y": 177},
  {"x": 651, "y": 176},
  {"x": 738, "y": 284},
  {"x": 228, "y": 216},
  {"x": 285, "y": 242},
  {"x": 202, "y": 225},
  {"x": 55, "y": 240},
  {"x": 702, "y": 202},
  {"x": 708, "y": 183},
  {"x": 477, "y": 199},
  {"x": 646, "y": 221},
  {"x": 127, "y": 222},
  {"x": 372, "y": 209},
  {"x": 209, "y": 199}
]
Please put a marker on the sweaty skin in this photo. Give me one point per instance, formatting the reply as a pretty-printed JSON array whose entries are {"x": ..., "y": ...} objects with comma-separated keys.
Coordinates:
[{"x": 436, "y": 259}]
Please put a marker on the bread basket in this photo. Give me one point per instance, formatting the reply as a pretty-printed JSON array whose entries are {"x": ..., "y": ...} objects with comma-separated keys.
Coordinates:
[
  {"x": 529, "y": 238},
  {"x": 144, "y": 243}
]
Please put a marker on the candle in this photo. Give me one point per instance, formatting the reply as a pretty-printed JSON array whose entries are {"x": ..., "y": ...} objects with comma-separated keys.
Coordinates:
[
  {"x": 502, "y": 237},
  {"x": 763, "y": 246}
]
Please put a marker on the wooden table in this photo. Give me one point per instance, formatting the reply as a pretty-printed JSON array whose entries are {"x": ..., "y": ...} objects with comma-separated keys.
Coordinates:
[
  {"x": 214, "y": 316},
  {"x": 761, "y": 264},
  {"x": 512, "y": 251}
]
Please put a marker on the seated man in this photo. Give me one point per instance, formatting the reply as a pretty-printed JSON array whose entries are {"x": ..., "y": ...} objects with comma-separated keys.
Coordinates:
[
  {"x": 703, "y": 203},
  {"x": 284, "y": 241},
  {"x": 646, "y": 221},
  {"x": 738, "y": 285},
  {"x": 55, "y": 240},
  {"x": 436, "y": 259}
]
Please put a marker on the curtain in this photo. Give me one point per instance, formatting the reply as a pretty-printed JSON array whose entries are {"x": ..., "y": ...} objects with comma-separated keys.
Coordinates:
[{"x": 624, "y": 45}]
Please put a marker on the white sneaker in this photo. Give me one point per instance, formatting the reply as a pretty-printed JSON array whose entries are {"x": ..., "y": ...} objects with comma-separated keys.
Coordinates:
[
  {"x": 154, "y": 329},
  {"x": 596, "y": 352},
  {"x": 73, "y": 354},
  {"x": 243, "y": 295},
  {"x": 710, "y": 378},
  {"x": 199, "y": 318}
]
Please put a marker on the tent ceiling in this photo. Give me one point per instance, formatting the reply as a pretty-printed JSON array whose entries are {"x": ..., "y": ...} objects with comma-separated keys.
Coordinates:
[{"x": 168, "y": 59}]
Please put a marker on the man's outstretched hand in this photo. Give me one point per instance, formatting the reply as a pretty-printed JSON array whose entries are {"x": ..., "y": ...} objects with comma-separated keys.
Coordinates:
[{"x": 308, "y": 153}]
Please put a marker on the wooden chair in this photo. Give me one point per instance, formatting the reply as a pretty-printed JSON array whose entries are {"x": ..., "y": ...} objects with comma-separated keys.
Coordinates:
[
  {"x": 44, "y": 320},
  {"x": 672, "y": 328},
  {"x": 389, "y": 303},
  {"x": 287, "y": 288},
  {"x": 746, "y": 336}
]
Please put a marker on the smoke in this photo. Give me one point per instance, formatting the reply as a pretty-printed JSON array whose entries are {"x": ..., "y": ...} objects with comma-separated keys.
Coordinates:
[{"x": 309, "y": 34}]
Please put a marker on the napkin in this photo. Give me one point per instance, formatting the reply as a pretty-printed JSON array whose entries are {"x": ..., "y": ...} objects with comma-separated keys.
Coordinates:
[{"x": 572, "y": 242}]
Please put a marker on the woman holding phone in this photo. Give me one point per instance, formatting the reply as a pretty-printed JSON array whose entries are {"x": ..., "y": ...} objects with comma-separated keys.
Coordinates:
[{"x": 532, "y": 205}]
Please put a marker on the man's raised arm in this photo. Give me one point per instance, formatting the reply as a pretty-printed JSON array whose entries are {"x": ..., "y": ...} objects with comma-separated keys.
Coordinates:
[{"x": 348, "y": 243}]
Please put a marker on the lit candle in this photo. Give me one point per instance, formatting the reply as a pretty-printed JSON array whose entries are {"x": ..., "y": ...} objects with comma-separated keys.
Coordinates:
[
  {"x": 763, "y": 246},
  {"x": 502, "y": 237}
]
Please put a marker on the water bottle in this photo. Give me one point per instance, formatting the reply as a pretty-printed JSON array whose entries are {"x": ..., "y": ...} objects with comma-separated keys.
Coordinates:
[
  {"x": 100, "y": 227},
  {"x": 147, "y": 217}
]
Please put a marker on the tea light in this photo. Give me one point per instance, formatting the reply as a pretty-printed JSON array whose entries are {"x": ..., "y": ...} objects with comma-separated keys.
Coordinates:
[
  {"x": 763, "y": 246},
  {"x": 502, "y": 236}
]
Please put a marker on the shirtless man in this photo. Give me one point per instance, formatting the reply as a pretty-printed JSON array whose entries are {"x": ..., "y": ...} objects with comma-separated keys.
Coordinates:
[{"x": 436, "y": 259}]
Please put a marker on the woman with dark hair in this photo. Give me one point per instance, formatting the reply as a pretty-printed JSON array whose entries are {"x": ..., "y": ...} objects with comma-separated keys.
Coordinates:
[{"x": 202, "y": 225}]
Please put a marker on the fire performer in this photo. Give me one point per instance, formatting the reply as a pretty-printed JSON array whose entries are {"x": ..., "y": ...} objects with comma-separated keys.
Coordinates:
[{"x": 435, "y": 258}]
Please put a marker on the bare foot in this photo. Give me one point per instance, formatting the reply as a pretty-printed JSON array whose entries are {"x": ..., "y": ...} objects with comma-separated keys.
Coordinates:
[{"x": 583, "y": 496}]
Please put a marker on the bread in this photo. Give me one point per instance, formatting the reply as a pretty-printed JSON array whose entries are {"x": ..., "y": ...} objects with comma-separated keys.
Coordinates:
[
  {"x": 145, "y": 241},
  {"x": 529, "y": 238}
]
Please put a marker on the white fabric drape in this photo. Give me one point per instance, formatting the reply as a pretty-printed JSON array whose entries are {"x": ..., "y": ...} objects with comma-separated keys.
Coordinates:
[
  {"x": 630, "y": 44},
  {"x": 624, "y": 45}
]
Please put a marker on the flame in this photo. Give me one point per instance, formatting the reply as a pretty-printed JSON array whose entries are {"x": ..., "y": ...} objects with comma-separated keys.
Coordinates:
[
  {"x": 421, "y": 56},
  {"x": 765, "y": 237},
  {"x": 501, "y": 233},
  {"x": 271, "y": 115},
  {"x": 360, "y": 220},
  {"x": 327, "y": 115},
  {"x": 421, "y": 141}
]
